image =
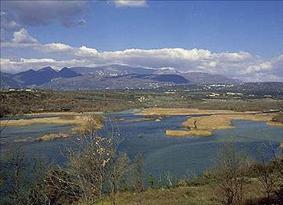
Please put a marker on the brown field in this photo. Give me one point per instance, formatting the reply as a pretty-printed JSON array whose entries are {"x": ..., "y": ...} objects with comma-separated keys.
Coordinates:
[
  {"x": 64, "y": 118},
  {"x": 207, "y": 194},
  {"x": 194, "y": 132},
  {"x": 216, "y": 122},
  {"x": 45, "y": 120},
  {"x": 207, "y": 124}
]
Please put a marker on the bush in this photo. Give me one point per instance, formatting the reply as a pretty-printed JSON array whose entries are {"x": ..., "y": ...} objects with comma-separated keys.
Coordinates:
[{"x": 278, "y": 118}]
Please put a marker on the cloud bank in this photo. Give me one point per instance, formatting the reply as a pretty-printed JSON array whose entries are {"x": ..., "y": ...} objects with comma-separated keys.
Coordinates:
[{"x": 240, "y": 65}]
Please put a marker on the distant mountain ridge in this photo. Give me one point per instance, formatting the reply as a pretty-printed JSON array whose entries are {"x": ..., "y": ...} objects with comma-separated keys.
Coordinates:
[
  {"x": 36, "y": 78},
  {"x": 114, "y": 76}
]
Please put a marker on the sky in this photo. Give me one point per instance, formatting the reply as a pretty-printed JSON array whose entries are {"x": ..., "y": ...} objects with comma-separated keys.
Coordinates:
[{"x": 238, "y": 39}]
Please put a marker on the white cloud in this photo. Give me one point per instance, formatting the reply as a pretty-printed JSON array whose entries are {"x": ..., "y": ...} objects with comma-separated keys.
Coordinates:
[
  {"x": 56, "y": 47},
  {"x": 35, "y": 60},
  {"x": 235, "y": 57},
  {"x": 183, "y": 60},
  {"x": 84, "y": 51},
  {"x": 265, "y": 66},
  {"x": 265, "y": 70},
  {"x": 22, "y": 36},
  {"x": 130, "y": 3}
]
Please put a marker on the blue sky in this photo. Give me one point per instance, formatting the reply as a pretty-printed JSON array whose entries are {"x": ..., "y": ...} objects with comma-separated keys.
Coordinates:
[
  {"x": 255, "y": 27},
  {"x": 251, "y": 30}
]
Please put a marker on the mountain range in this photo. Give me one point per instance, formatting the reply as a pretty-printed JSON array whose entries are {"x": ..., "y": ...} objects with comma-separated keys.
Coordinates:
[
  {"x": 35, "y": 78},
  {"x": 113, "y": 76}
]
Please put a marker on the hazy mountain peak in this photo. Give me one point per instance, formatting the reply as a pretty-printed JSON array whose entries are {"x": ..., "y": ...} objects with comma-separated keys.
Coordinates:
[
  {"x": 48, "y": 68},
  {"x": 68, "y": 73},
  {"x": 167, "y": 70},
  {"x": 64, "y": 68}
]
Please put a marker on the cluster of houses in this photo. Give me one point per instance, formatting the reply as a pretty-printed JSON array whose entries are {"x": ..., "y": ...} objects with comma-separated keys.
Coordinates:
[
  {"x": 21, "y": 90},
  {"x": 231, "y": 94}
]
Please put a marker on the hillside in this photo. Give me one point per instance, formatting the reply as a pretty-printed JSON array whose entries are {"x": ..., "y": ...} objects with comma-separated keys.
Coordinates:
[
  {"x": 32, "y": 77},
  {"x": 206, "y": 78},
  {"x": 112, "y": 70},
  {"x": 6, "y": 80},
  {"x": 131, "y": 81}
]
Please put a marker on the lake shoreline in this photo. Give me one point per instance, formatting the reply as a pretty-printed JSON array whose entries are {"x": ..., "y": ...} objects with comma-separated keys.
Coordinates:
[{"x": 204, "y": 122}]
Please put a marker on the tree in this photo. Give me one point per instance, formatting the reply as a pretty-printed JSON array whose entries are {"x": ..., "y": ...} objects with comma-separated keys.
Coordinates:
[
  {"x": 22, "y": 179},
  {"x": 139, "y": 176},
  {"x": 119, "y": 169},
  {"x": 229, "y": 176},
  {"x": 87, "y": 169},
  {"x": 267, "y": 174},
  {"x": 13, "y": 168}
]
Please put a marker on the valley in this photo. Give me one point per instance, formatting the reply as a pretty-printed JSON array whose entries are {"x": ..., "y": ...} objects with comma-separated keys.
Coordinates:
[
  {"x": 178, "y": 130},
  {"x": 141, "y": 102}
]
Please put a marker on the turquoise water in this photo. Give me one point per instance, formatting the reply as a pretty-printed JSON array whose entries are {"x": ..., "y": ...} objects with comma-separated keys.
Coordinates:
[{"x": 179, "y": 156}]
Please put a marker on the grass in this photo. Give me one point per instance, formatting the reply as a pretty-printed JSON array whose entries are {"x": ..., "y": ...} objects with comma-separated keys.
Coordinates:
[
  {"x": 207, "y": 194},
  {"x": 216, "y": 122},
  {"x": 60, "y": 119},
  {"x": 180, "y": 195},
  {"x": 194, "y": 132},
  {"x": 45, "y": 120}
]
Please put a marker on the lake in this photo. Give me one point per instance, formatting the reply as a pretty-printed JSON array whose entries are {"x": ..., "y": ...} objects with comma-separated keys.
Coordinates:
[{"x": 178, "y": 156}]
